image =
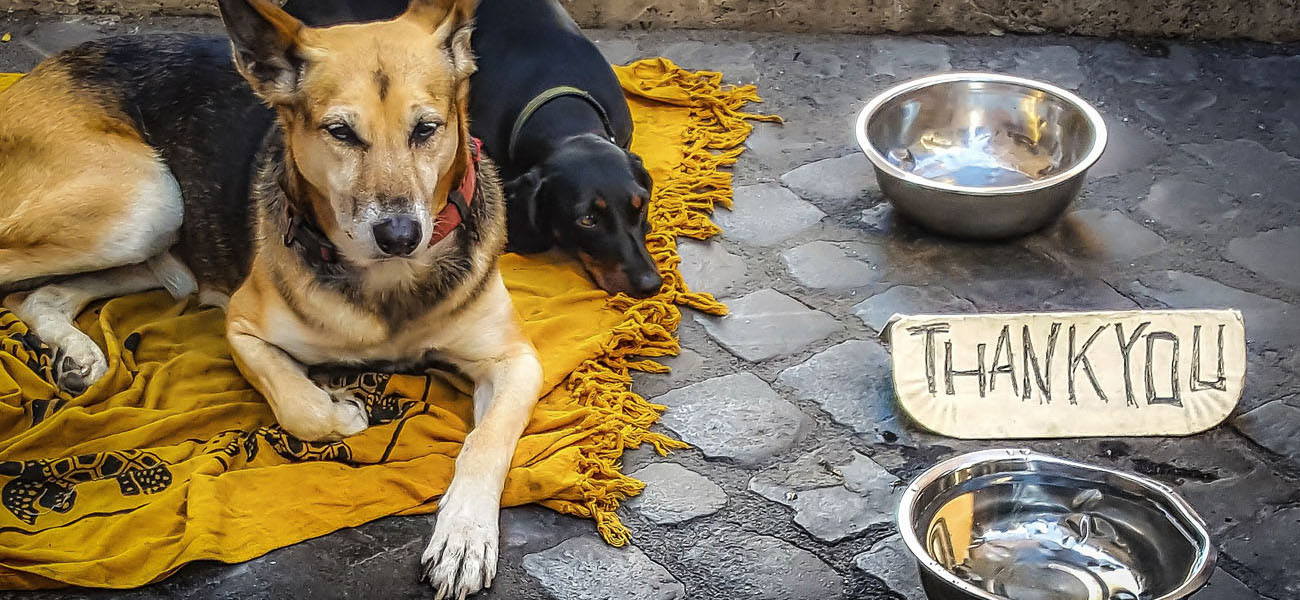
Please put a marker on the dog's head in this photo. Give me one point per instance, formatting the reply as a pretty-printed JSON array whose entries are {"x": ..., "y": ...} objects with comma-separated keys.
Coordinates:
[
  {"x": 375, "y": 116},
  {"x": 591, "y": 197}
]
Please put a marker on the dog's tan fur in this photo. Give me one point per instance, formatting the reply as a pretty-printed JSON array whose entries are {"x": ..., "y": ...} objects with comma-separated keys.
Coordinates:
[{"x": 84, "y": 199}]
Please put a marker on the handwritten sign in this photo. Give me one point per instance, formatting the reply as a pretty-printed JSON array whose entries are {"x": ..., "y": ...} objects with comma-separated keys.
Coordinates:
[{"x": 1051, "y": 375}]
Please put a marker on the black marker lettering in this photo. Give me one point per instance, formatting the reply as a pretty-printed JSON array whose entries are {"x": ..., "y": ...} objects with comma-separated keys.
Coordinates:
[
  {"x": 929, "y": 331},
  {"x": 1081, "y": 358},
  {"x": 1124, "y": 349},
  {"x": 1004, "y": 340},
  {"x": 1152, "y": 398},
  {"x": 1220, "y": 383},
  {"x": 978, "y": 371},
  {"x": 1044, "y": 376}
]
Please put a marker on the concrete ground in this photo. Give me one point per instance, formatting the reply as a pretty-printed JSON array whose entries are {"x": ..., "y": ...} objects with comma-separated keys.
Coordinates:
[{"x": 790, "y": 490}]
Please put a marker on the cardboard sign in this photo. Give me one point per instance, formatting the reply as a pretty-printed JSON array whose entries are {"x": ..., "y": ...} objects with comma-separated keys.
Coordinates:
[{"x": 1053, "y": 375}]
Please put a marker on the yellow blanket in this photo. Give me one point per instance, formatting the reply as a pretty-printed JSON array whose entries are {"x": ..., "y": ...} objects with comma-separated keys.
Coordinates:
[{"x": 173, "y": 458}]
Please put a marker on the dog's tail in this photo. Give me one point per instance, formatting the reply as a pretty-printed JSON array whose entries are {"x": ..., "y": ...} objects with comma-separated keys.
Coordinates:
[{"x": 175, "y": 277}]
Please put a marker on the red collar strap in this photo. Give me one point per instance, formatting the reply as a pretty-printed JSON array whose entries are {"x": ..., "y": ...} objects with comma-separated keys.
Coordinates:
[
  {"x": 305, "y": 233},
  {"x": 458, "y": 201}
]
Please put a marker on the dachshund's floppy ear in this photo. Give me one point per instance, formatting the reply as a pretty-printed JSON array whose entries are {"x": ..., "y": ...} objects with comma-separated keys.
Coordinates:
[
  {"x": 642, "y": 175},
  {"x": 529, "y": 226},
  {"x": 268, "y": 44}
]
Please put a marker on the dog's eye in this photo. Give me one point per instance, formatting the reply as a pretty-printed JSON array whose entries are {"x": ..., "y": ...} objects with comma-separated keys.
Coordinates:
[
  {"x": 343, "y": 133},
  {"x": 588, "y": 221},
  {"x": 423, "y": 131}
]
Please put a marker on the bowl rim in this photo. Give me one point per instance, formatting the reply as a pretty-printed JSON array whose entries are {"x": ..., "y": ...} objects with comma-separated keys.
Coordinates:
[
  {"x": 1198, "y": 576},
  {"x": 1095, "y": 120}
]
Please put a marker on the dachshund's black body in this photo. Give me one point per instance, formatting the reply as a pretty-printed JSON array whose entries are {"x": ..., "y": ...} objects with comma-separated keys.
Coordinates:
[{"x": 568, "y": 184}]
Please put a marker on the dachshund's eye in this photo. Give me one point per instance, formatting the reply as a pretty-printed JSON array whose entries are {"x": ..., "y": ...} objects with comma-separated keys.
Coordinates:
[
  {"x": 588, "y": 221},
  {"x": 423, "y": 131},
  {"x": 343, "y": 133}
]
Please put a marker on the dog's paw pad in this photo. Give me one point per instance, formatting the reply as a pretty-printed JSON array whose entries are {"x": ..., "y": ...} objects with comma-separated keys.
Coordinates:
[{"x": 76, "y": 374}]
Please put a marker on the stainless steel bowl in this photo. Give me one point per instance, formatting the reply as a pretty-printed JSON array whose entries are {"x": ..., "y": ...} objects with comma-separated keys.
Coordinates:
[
  {"x": 980, "y": 155},
  {"x": 1012, "y": 524}
]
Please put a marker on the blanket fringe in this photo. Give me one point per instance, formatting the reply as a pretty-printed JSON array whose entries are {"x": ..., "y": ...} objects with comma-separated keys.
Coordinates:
[{"x": 682, "y": 208}]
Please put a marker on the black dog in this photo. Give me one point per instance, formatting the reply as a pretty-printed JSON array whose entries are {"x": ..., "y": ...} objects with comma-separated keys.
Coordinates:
[{"x": 552, "y": 115}]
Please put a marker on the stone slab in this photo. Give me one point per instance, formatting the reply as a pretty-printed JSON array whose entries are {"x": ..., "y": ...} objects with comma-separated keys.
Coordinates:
[
  {"x": 736, "y": 417},
  {"x": 890, "y": 561},
  {"x": 838, "y": 181},
  {"x": 583, "y": 568},
  {"x": 760, "y": 567},
  {"x": 766, "y": 215},
  {"x": 835, "y": 265},
  {"x": 835, "y": 494},
  {"x": 675, "y": 494},
  {"x": 1273, "y": 254},
  {"x": 852, "y": 383},
  {"x": 767, "y": 324}
]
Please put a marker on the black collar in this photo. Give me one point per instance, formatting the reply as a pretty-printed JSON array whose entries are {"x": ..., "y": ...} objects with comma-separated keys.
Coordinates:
[
  {"x": 543, "y": 98},
  {"x": 304, "y": 233}
]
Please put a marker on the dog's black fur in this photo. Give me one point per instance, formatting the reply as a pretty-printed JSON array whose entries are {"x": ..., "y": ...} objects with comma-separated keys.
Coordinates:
[
  {"x": 568, "y": 185},
  {"x": 188, "y": 102}
]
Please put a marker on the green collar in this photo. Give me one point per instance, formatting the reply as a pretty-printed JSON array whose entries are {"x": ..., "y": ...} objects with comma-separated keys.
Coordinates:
[{"x": 556, "y": 92}]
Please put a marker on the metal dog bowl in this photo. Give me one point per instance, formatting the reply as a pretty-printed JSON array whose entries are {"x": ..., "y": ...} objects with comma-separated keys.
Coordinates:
[
  {"x": 980, "y": 155},
  {"x": 1015, "y": 525}
]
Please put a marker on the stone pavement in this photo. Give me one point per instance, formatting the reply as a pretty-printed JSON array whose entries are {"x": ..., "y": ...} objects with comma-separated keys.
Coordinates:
[{"x": 798, "y": 450}]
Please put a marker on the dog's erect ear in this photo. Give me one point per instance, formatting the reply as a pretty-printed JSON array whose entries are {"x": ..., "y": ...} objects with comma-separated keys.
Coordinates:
[
  {"x": 530, "y": 230},
  {"x": 451, "y": 21},
  {"x": 266, "y": 43}
]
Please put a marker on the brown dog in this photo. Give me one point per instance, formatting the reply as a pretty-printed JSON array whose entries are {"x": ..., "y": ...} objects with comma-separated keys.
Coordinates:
[{"x": 350, "y": 223}]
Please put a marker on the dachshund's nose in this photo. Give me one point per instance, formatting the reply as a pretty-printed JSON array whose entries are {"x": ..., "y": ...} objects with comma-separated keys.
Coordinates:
[
  {"x": 397, "y": 236},
  {"x": 646, "y": 284}
]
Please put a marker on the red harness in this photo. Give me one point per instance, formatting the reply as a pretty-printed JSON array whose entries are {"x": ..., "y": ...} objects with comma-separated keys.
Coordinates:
[{"x": 318, "y": 249}]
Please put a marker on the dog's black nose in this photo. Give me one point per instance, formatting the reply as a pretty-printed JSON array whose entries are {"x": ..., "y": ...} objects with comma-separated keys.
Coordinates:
[
  {"x": 397, "y": 236},
  {"x": 646, "y": 284}
]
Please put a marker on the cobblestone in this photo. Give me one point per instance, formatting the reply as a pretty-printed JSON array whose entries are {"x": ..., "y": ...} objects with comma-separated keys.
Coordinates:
[
  {"x": 766, "y": 324},
  {"x": 760, "y": 567},
  {"x": 851, "y": 383},
  {"x": 1272, "y": 254},
  {"x": 752, "y": 220},
  {"x": 675, "y": 494},
  {"x": 736, "y": 417},
  {"x": 833, "y": 496},
  {"x": 836, "y": 181},
  {"x": 708, "y": 266},
  {"x": 904, "y": 58},
  {"x": 889, "y": 561},
  {"x": 834, "y": 265},
  {"x": 584, "y": 568},
  {"x": 1273, "y": 426}
]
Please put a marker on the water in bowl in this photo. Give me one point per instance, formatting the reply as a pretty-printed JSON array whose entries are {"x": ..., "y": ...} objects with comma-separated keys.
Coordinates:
[
  {"x": 1036, "y": 543},
  {"x": 977, "y": 157}
]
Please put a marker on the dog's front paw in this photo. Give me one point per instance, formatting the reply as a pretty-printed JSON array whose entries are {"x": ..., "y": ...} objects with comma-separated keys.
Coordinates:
[
  {"x": 319, "y": 417},
  {"x": 462, "y": 556},
  {"x": 78, "y": 364}
]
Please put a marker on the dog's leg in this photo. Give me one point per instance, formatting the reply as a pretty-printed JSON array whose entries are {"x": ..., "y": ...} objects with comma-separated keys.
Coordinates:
[
  {"x": 49, "y": 312},
  {"x": 86, "y": 222},
  {"x": 462, "y": 556},
  {"x": 301, "y": 407}
]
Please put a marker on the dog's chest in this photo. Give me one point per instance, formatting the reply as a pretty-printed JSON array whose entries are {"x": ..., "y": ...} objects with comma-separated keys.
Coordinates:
[{"x": 339, "y": 333}]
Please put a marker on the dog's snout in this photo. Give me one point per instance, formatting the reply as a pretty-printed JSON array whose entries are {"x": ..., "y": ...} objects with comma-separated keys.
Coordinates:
[
  {"x": 397, "y": 236},
  {"x": 646, "y": 284}
]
